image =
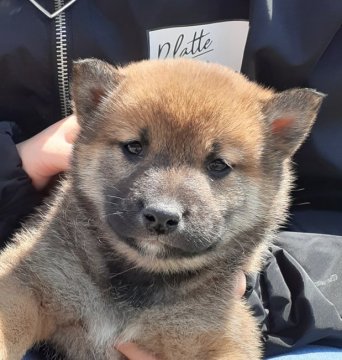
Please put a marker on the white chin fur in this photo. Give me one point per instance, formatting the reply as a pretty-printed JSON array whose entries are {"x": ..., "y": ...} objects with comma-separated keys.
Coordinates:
[{"x": 150, "y": 262}]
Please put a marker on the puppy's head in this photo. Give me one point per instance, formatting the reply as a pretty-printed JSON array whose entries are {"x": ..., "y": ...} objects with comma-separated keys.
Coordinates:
[{"x": 178, "y": 159}]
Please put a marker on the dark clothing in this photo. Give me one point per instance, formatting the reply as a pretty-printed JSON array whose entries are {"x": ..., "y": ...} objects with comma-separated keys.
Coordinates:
[
  {"x": 299, "y": 44},
  {"x": 297, "y": 298},
  {"x": 292, "y": 43},
  {"x": 17, "y": 195}
]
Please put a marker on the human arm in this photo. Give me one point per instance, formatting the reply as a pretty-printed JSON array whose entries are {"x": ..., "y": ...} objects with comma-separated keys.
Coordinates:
[{"x": 26, "y": 168}]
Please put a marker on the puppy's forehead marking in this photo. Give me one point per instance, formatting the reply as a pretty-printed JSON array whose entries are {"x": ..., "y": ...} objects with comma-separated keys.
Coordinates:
[
  {"x": 216, "y": 147},
  {"x": 144, "y": 135}
]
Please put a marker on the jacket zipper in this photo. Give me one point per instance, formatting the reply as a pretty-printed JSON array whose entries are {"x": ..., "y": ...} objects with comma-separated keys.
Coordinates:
[{"x": 62, "y": 60}]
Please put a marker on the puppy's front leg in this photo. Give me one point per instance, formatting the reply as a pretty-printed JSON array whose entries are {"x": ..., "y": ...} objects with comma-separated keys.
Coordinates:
[{"x": 21, "y": 321}]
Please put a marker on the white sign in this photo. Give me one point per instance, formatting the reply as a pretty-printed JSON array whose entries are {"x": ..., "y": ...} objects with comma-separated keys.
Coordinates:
[{"x": 221, "y": 42}]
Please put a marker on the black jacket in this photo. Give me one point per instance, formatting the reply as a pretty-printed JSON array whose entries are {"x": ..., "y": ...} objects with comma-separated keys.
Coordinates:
[{"x": 292, "y": 43}]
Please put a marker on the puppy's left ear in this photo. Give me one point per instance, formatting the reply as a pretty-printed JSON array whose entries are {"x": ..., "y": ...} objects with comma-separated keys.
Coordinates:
[
  {"x": 92, "y": 81},
  {"x": 289, "y": 116}
]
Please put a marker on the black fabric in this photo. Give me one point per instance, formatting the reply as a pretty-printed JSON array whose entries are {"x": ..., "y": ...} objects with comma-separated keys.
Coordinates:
[
  {"x": 115, "y": 31},
  {"x": 316, "y": 221},
  {"x": 292, "y": 43},
  {"x": 297, "y": 298},
  {"x": 17, "y": 195},
  {"x": 299, "y": 44}
]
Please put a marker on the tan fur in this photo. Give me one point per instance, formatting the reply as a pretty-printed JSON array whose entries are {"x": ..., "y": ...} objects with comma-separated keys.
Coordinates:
[
  {"x": 89, "y": 272},
  {"x": 217, "y": 340},
  {"x": 23, "y": 321}
]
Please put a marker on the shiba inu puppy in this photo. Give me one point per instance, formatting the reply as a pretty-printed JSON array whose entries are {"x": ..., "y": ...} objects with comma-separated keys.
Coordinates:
[{"x": 180, "y": 178}]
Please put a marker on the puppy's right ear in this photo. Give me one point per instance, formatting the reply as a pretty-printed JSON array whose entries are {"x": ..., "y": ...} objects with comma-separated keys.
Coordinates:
[{"x": 92, "y": 81}]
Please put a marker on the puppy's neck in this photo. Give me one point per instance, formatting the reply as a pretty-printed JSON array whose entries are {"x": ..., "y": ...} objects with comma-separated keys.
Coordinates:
[{"x": 142, "y": 289}]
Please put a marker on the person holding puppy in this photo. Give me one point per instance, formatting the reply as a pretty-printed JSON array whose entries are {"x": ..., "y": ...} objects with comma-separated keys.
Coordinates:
[{"x": 35, "y": 145}]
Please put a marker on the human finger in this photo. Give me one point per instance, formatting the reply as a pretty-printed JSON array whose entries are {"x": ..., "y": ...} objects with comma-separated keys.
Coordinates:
[{"x": 133, "y": 352}]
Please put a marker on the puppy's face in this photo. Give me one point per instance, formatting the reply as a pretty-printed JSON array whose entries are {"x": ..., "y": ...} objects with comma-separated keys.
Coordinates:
[{"x": 180, "y": 157}]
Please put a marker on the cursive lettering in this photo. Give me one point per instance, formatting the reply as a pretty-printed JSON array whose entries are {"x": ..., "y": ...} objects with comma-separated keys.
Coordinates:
[{"x": 198, "y": 45}]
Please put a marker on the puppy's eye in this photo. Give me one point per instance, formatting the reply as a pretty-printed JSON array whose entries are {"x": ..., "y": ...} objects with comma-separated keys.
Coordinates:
[
  {"x": 219, "y": 167},
  {"x": 134, "y": 148}
]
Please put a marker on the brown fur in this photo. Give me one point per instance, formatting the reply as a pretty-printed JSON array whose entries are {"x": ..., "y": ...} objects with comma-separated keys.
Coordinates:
[{"x": 91, "y": 272}]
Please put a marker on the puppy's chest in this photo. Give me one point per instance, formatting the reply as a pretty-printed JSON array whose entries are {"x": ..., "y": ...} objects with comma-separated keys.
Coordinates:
[
  {"x": 171, "y": 300},
  {"x": 150, "y": 307},
  {"x": 140, "y": 303},
  {"x": 142, "y": 290}
]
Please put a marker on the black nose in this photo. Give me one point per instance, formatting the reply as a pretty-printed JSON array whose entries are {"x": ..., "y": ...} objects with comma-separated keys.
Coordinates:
[{"x": 162, "y": 220}]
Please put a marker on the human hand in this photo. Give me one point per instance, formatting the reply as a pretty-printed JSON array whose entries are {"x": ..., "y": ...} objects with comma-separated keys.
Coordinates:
[
  {"x": 240, "y": 284},
  {"x": 48, "y": 153},
  {"x": 132, "y": 351}
]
